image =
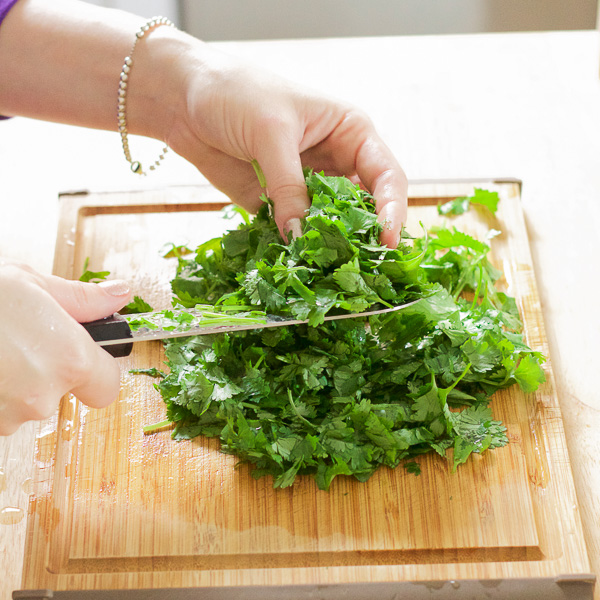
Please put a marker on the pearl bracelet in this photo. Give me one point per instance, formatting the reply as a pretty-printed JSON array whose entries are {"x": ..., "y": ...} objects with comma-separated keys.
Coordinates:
[{"x": 136, "y": 165}]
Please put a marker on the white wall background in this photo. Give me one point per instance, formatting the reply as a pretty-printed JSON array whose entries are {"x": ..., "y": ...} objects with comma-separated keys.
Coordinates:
[
  {"x": 268, "y": 19},
  {"x": 272, "y": 19},
  {"x": 243, "y": 19},
  {"x": 146, "y": 8}
]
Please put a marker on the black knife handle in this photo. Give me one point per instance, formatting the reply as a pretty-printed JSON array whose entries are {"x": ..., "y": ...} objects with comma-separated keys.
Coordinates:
[{"x": 114, "y": 327}]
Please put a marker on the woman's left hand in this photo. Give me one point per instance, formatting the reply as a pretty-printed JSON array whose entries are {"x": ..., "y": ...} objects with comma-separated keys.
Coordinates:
[{"x": 235, "y": 114}]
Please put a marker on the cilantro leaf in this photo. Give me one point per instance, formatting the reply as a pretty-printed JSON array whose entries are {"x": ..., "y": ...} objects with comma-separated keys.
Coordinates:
[
  {"x": 137, "y": 305},
  {"x": 92, "y": 276},
  {"x": 481, "y": 197}
]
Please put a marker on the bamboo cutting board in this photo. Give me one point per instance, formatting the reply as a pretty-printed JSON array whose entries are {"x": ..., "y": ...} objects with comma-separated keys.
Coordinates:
[{"x": 114, "y": 509}]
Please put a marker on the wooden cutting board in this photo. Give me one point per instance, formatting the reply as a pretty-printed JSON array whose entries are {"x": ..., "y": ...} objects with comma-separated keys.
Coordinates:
[{"x": 114, "y": 509}]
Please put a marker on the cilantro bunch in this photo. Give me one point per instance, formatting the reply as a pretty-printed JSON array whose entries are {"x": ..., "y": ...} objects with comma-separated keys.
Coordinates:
[{"x": 345, "y": 397}]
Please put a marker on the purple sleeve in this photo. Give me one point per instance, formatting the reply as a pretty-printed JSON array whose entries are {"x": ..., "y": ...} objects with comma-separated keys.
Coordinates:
[{"x": 5, "y": 6}]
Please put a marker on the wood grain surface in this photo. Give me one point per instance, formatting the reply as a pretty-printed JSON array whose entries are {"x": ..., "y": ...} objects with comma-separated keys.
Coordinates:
[{"x": 115, "y": 509}]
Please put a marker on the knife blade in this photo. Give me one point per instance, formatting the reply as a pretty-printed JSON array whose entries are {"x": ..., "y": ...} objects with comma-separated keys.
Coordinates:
[{"x": 117, "y": 333}]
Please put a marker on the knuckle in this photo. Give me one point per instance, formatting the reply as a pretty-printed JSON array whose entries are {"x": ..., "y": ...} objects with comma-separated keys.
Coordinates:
[
  {"x": 356, "y": 118},
  {"x": 9, "y": 263},
  {"x": 41, "y": 407},
  {"x": 17, "y": 274}
]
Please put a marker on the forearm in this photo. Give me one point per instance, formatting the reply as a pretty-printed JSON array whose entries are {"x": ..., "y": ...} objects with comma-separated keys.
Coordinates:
[{"x": 60, "y": 61}]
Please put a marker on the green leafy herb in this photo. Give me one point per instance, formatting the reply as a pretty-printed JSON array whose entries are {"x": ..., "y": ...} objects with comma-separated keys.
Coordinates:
[
  {"x": 345, "y": 397},
  {"x": 137, "y": 305},
  {"x": 151, "y": 372},
  {"x": 92, "y": 276},
  {"x": 201, "y": 315},
  {"x": 173, "y": 251},
  {"x": 148, "y": 429},
  {"x": 413, "y": 467},
  {"x": 480, "y": 197}
]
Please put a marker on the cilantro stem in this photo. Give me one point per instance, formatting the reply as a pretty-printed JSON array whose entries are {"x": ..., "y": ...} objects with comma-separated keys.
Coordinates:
[
  {"x": 478, "y": 290},
  {"x": 259, "y": 173},
  {"x": 467, "y": 369},
  {"x": 148, "y": 429},
  {"x": 297, "y": 412}
]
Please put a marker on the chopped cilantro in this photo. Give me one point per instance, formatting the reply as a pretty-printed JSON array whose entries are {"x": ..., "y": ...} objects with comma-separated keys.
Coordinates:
[
  {"x": 151, "y": 372},
  {"x": 137, "y": 305},
  {"x": 413, "y": 467},
  {"x": 344, "y": 397},
  {"x": 480, "y": 197},
  {"x": 92, "y": 276}
]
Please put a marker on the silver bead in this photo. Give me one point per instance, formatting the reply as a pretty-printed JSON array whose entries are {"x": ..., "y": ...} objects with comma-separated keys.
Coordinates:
[
  {"x": 128, "y": 61},
  {"x": 126, "y": 68}
]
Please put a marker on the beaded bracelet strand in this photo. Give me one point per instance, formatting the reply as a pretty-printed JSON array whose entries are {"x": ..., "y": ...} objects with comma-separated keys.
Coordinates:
[{"x": 136, "y": 165}]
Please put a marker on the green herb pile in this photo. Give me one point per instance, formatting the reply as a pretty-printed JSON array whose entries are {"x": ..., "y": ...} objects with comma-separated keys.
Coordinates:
[{"x": 345, "y": 397}]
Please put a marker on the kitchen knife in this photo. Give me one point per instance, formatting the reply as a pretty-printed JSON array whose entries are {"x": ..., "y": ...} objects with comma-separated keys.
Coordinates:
[{"x": 117, "y": 333}]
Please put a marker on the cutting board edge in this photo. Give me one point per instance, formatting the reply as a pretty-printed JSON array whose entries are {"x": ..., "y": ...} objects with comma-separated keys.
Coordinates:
[{"x": 572, "y": 587}]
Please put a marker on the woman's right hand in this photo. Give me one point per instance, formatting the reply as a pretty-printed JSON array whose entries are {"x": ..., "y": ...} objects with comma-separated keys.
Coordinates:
[{"x": 45, "y": 353}]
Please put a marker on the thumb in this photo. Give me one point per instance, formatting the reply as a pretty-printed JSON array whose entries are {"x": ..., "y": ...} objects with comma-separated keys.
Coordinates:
[{"x": 89, "y": 301}]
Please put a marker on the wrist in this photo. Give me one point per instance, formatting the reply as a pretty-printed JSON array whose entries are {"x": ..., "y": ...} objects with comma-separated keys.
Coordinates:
[{"x": 156, "y": 90}]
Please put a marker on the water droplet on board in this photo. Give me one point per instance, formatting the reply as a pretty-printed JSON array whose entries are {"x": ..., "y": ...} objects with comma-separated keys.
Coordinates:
[
  {"x": 67, "y": 431},
  {"x": 11, "y": 515},
  {"x": 27, "y": 486}
]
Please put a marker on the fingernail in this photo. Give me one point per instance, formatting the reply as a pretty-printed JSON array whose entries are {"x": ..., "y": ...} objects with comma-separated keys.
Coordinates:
[
  {"x": 116, "y": 287},
  {"x": 293, "y": 227}
]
